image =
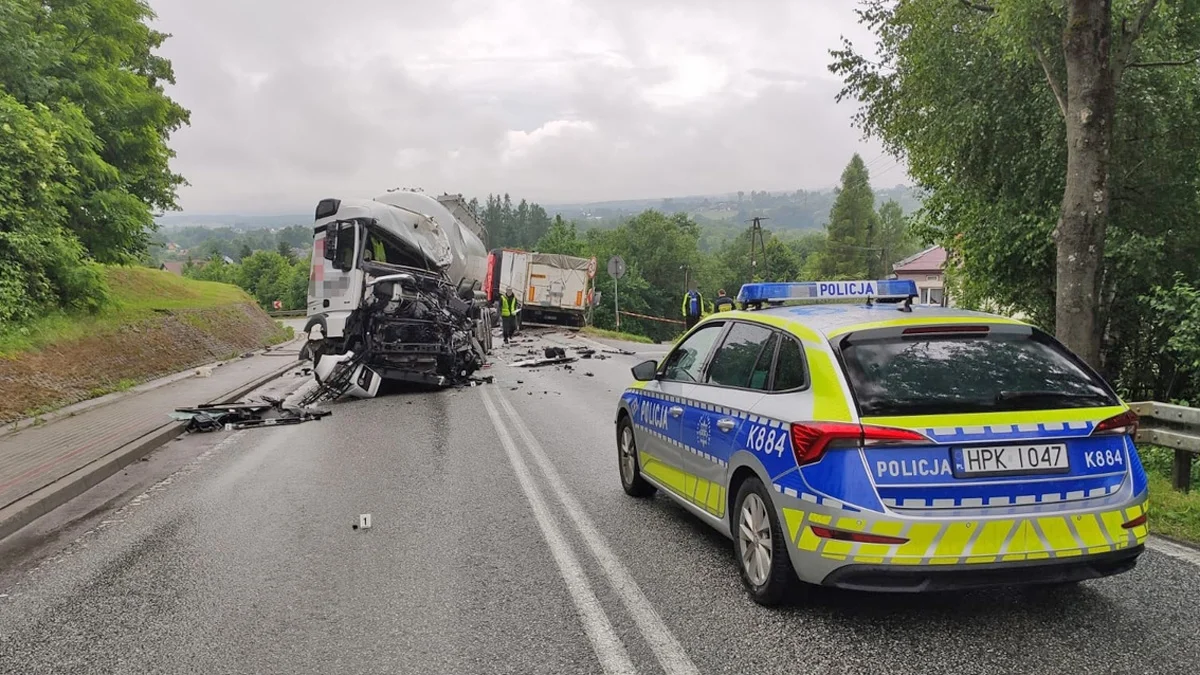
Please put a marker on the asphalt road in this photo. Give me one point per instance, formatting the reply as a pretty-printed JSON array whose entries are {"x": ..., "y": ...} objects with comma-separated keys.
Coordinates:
[{"x": 500, "y": 542}]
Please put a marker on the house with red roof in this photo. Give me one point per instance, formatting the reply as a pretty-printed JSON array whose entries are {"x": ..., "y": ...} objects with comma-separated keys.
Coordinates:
[{"x": 927, "y": 269}]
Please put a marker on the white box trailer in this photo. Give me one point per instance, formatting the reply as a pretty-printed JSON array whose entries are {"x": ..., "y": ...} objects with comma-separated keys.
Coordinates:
[
  {"x": 559, "y": 289},
  {"x": 554, "y": 289}
]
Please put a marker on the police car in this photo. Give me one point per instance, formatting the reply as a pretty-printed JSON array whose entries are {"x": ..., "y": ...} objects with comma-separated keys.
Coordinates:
[{"x": 878, "y": 445}]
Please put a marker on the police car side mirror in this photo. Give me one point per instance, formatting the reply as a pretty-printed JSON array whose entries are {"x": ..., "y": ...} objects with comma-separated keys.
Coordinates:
[{"x": 645, "y": 371}]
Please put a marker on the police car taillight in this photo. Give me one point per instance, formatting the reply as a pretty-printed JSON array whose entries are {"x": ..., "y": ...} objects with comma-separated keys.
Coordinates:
[
  {"x": 810, "y": 440},
  {"x": 1118, "y": 425},
  {"x": 860, "y": 537}
]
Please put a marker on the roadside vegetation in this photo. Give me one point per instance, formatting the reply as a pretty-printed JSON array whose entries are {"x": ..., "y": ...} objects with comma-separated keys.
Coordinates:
[
  {"x": 1172, "y": 513},
  {"x": 134, "y": 294}
]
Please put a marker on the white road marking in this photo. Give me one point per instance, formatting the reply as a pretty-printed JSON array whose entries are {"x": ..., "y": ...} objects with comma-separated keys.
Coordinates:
[
  {"x": 670, "y": 653},
  {"x": 1188, "y": 555},
  {"x": 608, "y": 647}
]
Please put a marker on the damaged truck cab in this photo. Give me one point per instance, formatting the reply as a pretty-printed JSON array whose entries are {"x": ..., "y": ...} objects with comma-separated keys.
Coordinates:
[{"x": 395, "y": 293}]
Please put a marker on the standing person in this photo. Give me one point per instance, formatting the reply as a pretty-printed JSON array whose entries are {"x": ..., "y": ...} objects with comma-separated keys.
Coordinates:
[
  {"x": 693, "y": 307},
  {"x": 723, "y": 303},
  {"x": 508, "y": 313}
]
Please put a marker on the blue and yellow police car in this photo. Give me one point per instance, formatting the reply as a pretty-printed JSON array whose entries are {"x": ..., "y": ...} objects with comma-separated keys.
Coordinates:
[{"x": 878, "y": 445}]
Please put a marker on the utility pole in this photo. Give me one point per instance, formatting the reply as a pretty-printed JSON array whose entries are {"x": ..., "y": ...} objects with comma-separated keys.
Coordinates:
[{"x": 758, "y": 246}]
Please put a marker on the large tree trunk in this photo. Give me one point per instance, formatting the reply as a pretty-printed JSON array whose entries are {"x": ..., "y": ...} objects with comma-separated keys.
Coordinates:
[{"x": 1090, "y": 112}]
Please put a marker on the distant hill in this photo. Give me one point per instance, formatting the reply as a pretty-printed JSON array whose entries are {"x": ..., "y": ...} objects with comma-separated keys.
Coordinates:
[
  {"x": 785, "y": 210},
  {"x": 232, "y": 220},
  {"x": 795, "y": 210}
]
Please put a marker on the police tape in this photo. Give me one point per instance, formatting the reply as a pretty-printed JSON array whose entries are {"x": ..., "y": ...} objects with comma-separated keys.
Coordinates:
[{"x": 651, "y": 318}]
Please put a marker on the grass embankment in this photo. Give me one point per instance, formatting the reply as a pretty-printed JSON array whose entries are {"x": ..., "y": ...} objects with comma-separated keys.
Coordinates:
[
  {"x": 1172, "y": 513},
  {"x": 136, "y": 293},
  {"x": 154, "y": 323},
  {"x": 614, "y": 335}
]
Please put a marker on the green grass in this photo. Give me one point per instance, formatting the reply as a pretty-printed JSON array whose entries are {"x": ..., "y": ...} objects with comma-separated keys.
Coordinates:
[
  {"x": 135, "y": 294},
  {"x": 615, "y": 335},
  {"x": 1172, "y": 513}
]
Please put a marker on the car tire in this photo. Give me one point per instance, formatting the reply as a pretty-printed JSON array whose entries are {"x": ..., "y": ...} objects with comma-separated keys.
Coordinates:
[
  {"x": 628, "y": 464},
  {"x": 766, "y": 569}
]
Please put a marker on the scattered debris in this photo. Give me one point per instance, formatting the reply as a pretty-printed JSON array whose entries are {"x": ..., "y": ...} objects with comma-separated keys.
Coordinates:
[
  {"x": 520, "y": 381},
  {"x": 555, "y": 352},
  {"x": 536, "y": 363},
  {"x": 212, "y": 417},
  {"x": 623, "y": 352},
  {"x": 512, "y": 388},
  {"x": 585, "y": 353},
  {"x": 589, "y": 374},
  {"x": 204, "y": 371}
]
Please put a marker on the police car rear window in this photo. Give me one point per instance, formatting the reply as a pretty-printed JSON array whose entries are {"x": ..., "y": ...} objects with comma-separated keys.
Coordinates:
[{"x": 947, "y": 374}]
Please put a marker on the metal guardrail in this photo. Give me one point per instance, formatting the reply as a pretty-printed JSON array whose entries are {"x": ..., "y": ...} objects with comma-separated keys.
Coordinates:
[
  {"x": 287, "y": 313},
  {"x": 1175, "y": 427}
]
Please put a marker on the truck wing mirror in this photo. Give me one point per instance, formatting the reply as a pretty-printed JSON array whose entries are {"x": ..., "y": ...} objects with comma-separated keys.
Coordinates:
[{"x": 645, "y": 371}]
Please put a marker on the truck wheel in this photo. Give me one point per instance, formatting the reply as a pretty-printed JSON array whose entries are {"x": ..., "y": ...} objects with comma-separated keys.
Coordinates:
[
  {"x": 627, "y": 458},
  {"x": 762, "y": 549}
]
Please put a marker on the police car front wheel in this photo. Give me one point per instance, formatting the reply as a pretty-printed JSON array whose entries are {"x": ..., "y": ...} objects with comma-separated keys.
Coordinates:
[
  {"x": 631, "y": 479},
  {"x": 762, "y": 554}
]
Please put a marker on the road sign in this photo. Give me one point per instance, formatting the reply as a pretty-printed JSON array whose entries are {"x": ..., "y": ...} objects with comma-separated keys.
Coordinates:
[
  {"x": 592, "y": 268},
  {"x": 616, "y": 267}
]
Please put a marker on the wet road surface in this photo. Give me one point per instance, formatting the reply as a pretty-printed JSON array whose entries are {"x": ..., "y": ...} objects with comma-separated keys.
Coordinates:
[{"x": 501, "y": 542}]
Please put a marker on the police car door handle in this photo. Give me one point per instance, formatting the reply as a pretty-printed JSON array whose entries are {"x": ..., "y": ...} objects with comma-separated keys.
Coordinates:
[
  {"x": 676, "y": 411},
  {"x": 726, "y": 423}
]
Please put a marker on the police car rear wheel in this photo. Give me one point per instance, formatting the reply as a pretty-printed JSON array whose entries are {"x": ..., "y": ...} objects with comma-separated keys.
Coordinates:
[
  {"x": 631, "y": 480},
  {"x": 762, "y": 554}
]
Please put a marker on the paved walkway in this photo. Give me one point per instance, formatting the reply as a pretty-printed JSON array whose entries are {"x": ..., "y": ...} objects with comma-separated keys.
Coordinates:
[{"x": 35, "y": 457}]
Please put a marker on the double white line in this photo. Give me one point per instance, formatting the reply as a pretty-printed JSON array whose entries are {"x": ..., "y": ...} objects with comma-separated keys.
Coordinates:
[{"x": 609, "y": 649}]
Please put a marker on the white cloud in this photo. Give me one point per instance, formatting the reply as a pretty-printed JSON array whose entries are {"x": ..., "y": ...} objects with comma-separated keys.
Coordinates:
[{"x": 553, "y": 100}]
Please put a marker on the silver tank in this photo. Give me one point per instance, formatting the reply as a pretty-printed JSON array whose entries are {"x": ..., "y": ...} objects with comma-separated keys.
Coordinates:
[{"x": 449, "y": 243}]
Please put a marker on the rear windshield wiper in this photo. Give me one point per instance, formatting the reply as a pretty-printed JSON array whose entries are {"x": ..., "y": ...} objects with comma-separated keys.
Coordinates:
[{"x": 1049, "y": 394}]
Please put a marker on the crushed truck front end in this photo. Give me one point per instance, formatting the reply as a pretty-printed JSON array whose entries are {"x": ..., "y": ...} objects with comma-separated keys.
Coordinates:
[{"x": 379, "y": 292}]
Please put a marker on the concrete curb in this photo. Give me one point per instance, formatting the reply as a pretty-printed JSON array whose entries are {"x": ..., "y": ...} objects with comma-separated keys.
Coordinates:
[
  {"x": 37, "y": 504},
  {"x": 92, "y": 403}
]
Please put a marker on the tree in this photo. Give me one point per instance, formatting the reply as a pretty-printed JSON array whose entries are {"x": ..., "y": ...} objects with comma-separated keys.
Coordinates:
[
  {"x": 562, "y": 238},
  {"x": 893, "y": 239},
  {"x": 852, "y": 225},
  {"x": 285, "y": 249},
  {"x": 1053, "y": 118}
]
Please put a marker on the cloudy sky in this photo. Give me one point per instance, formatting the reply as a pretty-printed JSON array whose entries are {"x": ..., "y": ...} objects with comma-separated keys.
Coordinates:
[{"x": 553, "y": 100}]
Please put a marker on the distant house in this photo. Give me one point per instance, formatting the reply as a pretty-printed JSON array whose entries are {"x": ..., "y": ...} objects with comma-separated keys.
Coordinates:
[
  {"x": 174, "y": 267},
  {"x": 927, "y": 269}
]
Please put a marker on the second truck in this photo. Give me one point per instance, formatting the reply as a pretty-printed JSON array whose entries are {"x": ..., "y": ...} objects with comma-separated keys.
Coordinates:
[{"x": 554, "y": 289}]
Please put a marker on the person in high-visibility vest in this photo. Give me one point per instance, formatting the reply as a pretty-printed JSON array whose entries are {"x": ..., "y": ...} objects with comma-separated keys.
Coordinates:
[
  {"x": 723, "y": 303},
  {"x": 693, "y": 308},
  {"x": 508, "y": 313}
]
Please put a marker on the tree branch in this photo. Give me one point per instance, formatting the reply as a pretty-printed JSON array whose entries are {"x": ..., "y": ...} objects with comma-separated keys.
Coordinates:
[
  {"x": 978, "y": 6},
  {"x": 1054, "y": 86},
  {"x": 1123, "y": 51},
  {"x": 1159, "y": 64}
]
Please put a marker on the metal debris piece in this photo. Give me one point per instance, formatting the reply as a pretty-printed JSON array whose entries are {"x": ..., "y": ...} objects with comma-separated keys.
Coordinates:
[
  {"x": 232, "y": 416},
  {"x": 623, "y": 352},
  {"x": 555, "y": 352},
  {"x": 536, "y": 363},
  {"x": 589, "y": 374}
]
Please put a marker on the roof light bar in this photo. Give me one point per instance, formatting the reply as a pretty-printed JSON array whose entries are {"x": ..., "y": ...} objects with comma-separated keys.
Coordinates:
[{"x": 827, "y": 290}]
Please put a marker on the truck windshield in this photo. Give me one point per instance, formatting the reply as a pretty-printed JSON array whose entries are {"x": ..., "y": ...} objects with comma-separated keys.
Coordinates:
[{"x": 956, "y": 374}]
